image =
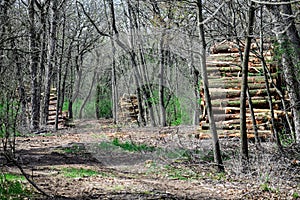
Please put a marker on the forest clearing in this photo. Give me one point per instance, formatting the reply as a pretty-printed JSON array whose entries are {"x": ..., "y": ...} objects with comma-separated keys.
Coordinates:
[
  {"x": 90, "y": 161},
  {"x": 149, "y": 99}
]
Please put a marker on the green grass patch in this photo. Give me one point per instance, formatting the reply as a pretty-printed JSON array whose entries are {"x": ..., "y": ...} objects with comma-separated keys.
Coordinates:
[
  {"x": 13, "y": 177},
  {"x": 296, "y": 195},
  {"x": 11, "y": 187},
  {"x": 266, "y": 188},
  {"x": 80, "y": 172},
  {"x": 131, "y": 146}
]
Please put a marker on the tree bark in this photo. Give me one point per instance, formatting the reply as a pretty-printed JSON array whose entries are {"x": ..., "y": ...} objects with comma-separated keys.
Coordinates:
[
  {"x": 265, "y": 70},
  {"x": 35, "y": 109},
  {"x": 59, "y": 75},
  {"x": 162, "y": 106},
  {"x": 213, "y": 129},
  {"x": 133, "y": 58},
  {"x": 51, "y": 59},
  {"x": 243, "y": 106},
  {"x": 289, "y": 43}
]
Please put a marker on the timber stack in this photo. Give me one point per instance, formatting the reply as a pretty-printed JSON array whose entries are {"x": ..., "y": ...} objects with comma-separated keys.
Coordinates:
[
  {"x": 53, "y": 108},
  {"x": 225, "y": 77},
  {"x": 128, "y": 109}
]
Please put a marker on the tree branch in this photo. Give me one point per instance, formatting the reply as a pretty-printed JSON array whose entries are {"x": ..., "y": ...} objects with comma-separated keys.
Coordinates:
[
  {"x": 15, "y": 162},
  {"x": 275, "y": 3},
  {"x": 214, "y": 13},
  {"x": 92, "y": 21}
]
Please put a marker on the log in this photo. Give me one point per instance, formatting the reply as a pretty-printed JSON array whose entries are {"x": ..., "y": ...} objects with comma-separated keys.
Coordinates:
[
  {"x": 254, "y": 68},
  {"x": 262, "y": 117},
  {"x": 52, "y": 108},
  {"x": 205, "y": 134},
  {"x": 52, "y": 97},
  {"x": 225, "y": 125},
  {"x": 52, "y": 122},
  {"x": 227, "y": 47},
  {"x": 52, "y": 117},
  {"x": 261, "y": 103},
  {"x": 128, "y": 104},
  {"x": 229, "y": 85},
  {"x": 53, "y": 102},
  {"x": 231, "y": 93},
  {"x": 253, "y": 79}
]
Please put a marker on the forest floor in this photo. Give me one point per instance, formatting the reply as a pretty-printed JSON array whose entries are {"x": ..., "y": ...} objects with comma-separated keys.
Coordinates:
[{"x": 99, "y": 160}]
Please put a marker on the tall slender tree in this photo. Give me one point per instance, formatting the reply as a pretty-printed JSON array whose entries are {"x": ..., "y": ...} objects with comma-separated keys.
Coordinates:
[
  {"x": 34, "y": 59},
  {"x": 212, "y": 124}
]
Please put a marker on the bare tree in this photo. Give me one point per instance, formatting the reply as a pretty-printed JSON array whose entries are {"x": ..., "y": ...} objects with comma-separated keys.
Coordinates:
[
  {"x": 213, "y": 128},
  {"x": 243, "y": 128},
  {"x": 34, "y": 59},
  {"x": 289, "y": 41}
]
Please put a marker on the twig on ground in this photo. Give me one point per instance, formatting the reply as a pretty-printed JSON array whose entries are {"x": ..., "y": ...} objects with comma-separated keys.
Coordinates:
[{"x": 15, "y": 162}]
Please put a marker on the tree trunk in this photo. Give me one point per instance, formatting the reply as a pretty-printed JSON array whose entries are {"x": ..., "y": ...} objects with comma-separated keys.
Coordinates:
[
  {"x": 257, "y": 140},
  {"x": 162, "y": 106},
  {"x": 88, "y": 96},
  {"x": 66, "y": 74},
  {"x": 114, "y": 90},
  {"x": 59, "y": 72},
  {"x": 265, "y": 70},
  {"x": 243, "y": 129},
  {"x": 51, "y": 59},
  {"x": 43, "y": 50},
  {"x": 133, "y": 57},
  {"x": 213, "y": 129},
  {"x": 114, "y": 84},
  {"x": 146, "y": 87},
  {"x": 97, "y": 101},
  {"x": 294, "y": 41},
  {"x": 70, "y": 95},
  {"x": 35, "y": 109},
  {"x": 289, "y": 43}
]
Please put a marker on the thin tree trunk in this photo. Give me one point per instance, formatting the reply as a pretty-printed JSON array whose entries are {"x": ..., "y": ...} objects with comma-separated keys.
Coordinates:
[
  {"x": 66, "y": 74},
  {"x": 244, "y": 88},
  {"x": 257, "y": 140},
  {"x": 35, "y": 110},
  {"x": 133, "y": 57},
  {"x": 162, "y": 106},
  {"x": 147, "y": 90},
  {"x": 70, "y": 95},
  {"x": 195, "y": 73},
  {"x": 114, "y": 84},
  {"x": 213, "y": 129},
  {"x": 88, "y": 96},
  {"x": 59, "y": 71},
  {"x": 97, "y": 101},
  {"x": 51, "y": 59},
  {"x": 114, "y": 90},
  {"x": 263, "y": 63},
  {"x": 43, "y": 50}
]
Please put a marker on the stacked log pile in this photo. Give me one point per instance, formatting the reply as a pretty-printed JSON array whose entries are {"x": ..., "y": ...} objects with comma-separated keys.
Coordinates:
[
  {"x": 225, "y": 76},
  {"x": 52, "y": 110},
  {"x": 128, "y": 109}
]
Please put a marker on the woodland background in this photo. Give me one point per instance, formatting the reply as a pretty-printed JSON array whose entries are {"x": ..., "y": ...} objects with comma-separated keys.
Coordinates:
[{"x": 90, "y": 53}]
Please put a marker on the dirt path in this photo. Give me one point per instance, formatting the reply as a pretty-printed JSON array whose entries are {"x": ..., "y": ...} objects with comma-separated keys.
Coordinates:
[{"x": 170, "y": 169}]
